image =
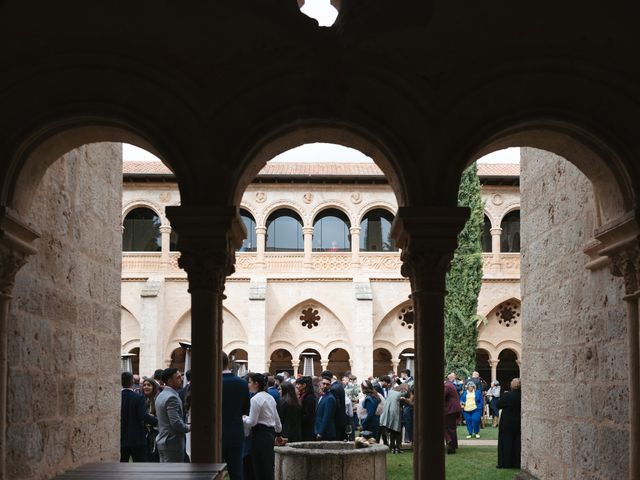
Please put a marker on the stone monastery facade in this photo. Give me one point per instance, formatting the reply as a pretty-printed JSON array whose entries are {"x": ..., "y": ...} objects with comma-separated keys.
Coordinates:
[{"x": 317, "y": 274}]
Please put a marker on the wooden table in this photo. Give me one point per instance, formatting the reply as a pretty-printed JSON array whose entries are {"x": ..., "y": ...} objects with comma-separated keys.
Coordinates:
[{"x": 147, "y": 471}]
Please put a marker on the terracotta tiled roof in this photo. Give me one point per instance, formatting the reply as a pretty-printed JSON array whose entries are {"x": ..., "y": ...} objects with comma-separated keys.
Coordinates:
[
  {"x": 320, "y": 169},
  {"x": 145, "y": 168},
  {"x": 499, "y": 169}
]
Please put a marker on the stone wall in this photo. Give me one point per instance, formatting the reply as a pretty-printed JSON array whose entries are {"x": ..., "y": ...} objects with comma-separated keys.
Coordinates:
[
  {"x": 64, "y": 328},
  {"x": 575, "y": 369}
]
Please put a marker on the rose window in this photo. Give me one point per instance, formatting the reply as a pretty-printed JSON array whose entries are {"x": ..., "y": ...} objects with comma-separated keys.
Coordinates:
[
  {"x": 310, "y": 317},
  {"x": 406, "y": 317},
  {"x": 508, "y": 313}
]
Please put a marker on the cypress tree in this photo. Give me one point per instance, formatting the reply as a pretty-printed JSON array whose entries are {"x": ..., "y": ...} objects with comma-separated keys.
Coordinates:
[{"x": 463, "y": 283}]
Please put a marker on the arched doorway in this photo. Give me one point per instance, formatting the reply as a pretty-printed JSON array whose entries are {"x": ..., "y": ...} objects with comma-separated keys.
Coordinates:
[
  {"x": 339, "y": 362},
  {"x": 238, "y": 361},
  {"x": 381, "y": 362},
  {"x": 508, "y": 367},
  {"x": 483, "y": 366},
  {"x": 315, "y": 359},
  {"x": 178, "y": 358},
  {"x": 406, "y": 360},
  {"x": 135, "y": 360},
  {"x": 281, "y": 361}
]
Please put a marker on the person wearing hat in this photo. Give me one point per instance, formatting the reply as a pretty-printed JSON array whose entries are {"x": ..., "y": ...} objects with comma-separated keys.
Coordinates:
[{"x": 472, "y": 404}]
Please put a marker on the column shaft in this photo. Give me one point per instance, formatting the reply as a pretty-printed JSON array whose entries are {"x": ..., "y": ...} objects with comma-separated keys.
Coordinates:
[
  {"x": 495, "y": 242},
  {"x": 633, "y": 334},
  {"x": 208, "y": 237},
  {"x": 355, "y": 245},
  {"x": 165, "y": 232},
  {"x": 261, "y": 236},
  {"x": 308, "y": 247}
]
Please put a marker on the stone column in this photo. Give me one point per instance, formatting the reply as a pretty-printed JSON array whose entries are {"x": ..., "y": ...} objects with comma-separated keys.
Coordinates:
[
  {"x": 150, "y": 354},
  {"x": 620, "y": 243},
  {"x": 208, "y": 238},
  {"x": 261, "y": 236},
  {"x": 257, "y": 341},
  {"x": 295, "y": 364},
  {"x": 165, "y": 231},
  {"x": 355, "y": 246},
  {"x": 494, "y": 369},
  {"x": 428, "y": 238},
  {"x": 495, "y": 240},
  {"x": 625, "y": 262},
  {"x": 324, "y": 364},
  {"x": 362, "y": 329},
  {"x": 15, "y": 247},
  {"x": 395, "y": 363},
  {"x": 308, "y": 247}
]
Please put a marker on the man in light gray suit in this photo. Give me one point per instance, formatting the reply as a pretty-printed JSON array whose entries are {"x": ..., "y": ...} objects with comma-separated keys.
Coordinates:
[{"x": 171, "y": 427}]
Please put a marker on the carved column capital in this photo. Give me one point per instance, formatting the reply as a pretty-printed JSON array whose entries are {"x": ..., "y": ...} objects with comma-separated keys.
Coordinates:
[
  {"x": 428, "y": 237},
  {"x": 15, "y": 247},
  {"x": 307, "y": 230},
  {"x": 165, "y": 229},
  {"x": 493, "y": 363},
  {"x": 207, "y": 239},
  {"x": 625, "y": 263}
]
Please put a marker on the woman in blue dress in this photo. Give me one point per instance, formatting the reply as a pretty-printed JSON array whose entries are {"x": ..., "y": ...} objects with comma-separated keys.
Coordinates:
[{"x": 371, "y": 421}]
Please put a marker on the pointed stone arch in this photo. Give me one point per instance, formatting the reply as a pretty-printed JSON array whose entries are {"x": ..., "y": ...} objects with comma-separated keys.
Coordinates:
[
  {"x": 390, "y": 333},
  {"x": 329, "y": 331},
  {"x": 234, "y": 334}
]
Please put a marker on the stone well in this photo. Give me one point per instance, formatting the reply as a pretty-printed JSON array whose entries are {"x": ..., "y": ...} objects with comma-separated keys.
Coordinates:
[{"x": 330, "y": 460}]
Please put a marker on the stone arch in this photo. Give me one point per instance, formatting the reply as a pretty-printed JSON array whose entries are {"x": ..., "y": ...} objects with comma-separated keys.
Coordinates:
[
  {"x": 330, "y": 204},
  {"x": 488, "y": 347},
  {"x": 289, "y": 329},
  {"x": 374, "y": 206},
  {"x": 145, "y": 203},
  {"x": 613, "y": 193},
  {"x": 390, "y": 329},
  {"x": 285, "y": 138},
  {"x": 507, "y": 210},
  {"x": 274, "y": 207},
  {"x": 129, "y": 329},
  {"x": 233, "y": 332},
  {"x": 487, "y": 213},
  {"x": 492, "y": 333},
  {"x": 504, "y": 299},
  {"x": 516, "y": 347}
]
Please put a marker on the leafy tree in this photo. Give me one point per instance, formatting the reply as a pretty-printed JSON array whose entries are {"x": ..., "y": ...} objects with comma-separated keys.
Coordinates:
[{"x": 463, "y": 283}]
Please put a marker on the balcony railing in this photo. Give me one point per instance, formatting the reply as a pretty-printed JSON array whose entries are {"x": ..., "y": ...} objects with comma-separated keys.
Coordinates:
[{"x": 503, "y": 265}]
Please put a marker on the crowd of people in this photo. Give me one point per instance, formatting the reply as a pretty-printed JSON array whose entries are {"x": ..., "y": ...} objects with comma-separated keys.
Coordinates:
[
  {"x": 474, "y": 398},
  {"x": 263, "y": 410}
]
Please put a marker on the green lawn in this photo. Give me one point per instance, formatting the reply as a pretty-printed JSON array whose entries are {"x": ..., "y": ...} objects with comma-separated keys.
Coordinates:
[
  {"x": 486, "y": 433},
  {"x": 469, "y": 463}
]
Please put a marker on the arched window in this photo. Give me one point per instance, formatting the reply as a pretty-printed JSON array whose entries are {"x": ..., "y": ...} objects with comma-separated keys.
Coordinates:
[
  {"x": 284, "y": 232},
  {"x": 485, "y": 239},
  {"x": 510, "y": 237},
  {"x": 249, "y": 243},
  {"x": 375, "y": 232},
  {"x": 331, "y": 232},
  {"x": 141, "y": 231}
]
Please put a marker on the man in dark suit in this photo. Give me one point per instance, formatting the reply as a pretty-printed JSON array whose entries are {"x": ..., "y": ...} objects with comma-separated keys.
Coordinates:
[
  {"x": 337, "y": 389},
  {"x": 383, "y": 386},
  {"x": 325, "y": 426},
  {"x": 133, "y": 414},
  {"x": 235, "y": 404}
]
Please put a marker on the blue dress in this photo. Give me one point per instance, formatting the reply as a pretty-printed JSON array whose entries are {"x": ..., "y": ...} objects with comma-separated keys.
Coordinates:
[{"x": 372, "y": 421}]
